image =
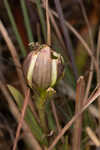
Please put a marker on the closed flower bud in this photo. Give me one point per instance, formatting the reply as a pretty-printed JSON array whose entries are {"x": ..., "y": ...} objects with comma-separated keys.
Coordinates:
[{"x": 43, "y": 67}]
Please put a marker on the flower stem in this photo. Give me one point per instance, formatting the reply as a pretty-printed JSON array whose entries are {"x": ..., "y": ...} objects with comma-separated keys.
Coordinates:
[{"x": 40, "y": 104}]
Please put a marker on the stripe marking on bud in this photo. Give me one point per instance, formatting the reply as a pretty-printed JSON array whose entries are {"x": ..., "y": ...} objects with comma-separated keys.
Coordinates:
[
  {"x": 31, "y": 68},
  {"x": 54, "y": 72}
]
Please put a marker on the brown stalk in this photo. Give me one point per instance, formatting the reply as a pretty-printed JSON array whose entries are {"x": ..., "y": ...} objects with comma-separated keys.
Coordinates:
[
  {"x": 48, "y": 25},
  {"x": 21, "y": 118},
  {"x": 55, "y": 27},
  {"x": 13, "y": 52},
  {"x": 68, "y": 125},
  {"x": 30, "y": 139},
  {"x": 80, "y": 89}
]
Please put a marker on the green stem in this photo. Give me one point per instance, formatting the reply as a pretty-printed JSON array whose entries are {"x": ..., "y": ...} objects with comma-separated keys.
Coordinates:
[
  {"x": 51, "y": 122},
  {"x": 40, "y": 104},
  {"x": 41, "y": 112}
]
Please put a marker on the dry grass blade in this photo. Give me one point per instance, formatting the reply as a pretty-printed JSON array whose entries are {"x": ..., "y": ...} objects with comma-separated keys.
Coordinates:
[
  {"x": 13, "y": 52},
  {"x": 21, "y": 118},
  {"x": 29, "y": 138},
  {"x": 68, "y": 125},
  {"x": 93, "y": 137},
  {"x": 80, "y": 90}
]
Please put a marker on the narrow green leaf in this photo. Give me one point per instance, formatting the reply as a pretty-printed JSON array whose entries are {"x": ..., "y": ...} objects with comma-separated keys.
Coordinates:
[
  {"x": 26, "y": 20},
  {"x": 11, "y": 18},
  {"x": 36, "y": 130},
  {"x": 42, "y": 19}
]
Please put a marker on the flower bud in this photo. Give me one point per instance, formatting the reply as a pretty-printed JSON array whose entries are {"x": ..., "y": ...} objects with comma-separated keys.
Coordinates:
[{"x": 43, "y": 67}]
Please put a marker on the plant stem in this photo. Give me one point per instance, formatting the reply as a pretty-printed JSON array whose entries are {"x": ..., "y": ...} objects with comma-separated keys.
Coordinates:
[{"x": 40, "y": 104}]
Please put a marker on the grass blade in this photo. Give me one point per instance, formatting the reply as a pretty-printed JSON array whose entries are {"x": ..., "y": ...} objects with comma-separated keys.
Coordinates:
[
  {"x": 26, "y": 20},
  {"x": 42, "y": 20},
  {"x": 19, "y": 40}
]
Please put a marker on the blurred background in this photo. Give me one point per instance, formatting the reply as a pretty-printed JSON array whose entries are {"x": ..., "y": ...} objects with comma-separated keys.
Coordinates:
[{"x": 25, "y": 22}]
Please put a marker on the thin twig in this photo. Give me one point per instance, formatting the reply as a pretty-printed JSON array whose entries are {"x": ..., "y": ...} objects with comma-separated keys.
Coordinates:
[{"x": 21, "y": 118}]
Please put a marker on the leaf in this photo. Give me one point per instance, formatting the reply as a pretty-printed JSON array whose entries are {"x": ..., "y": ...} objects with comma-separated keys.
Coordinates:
[{"x": 35, "y": 128}]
